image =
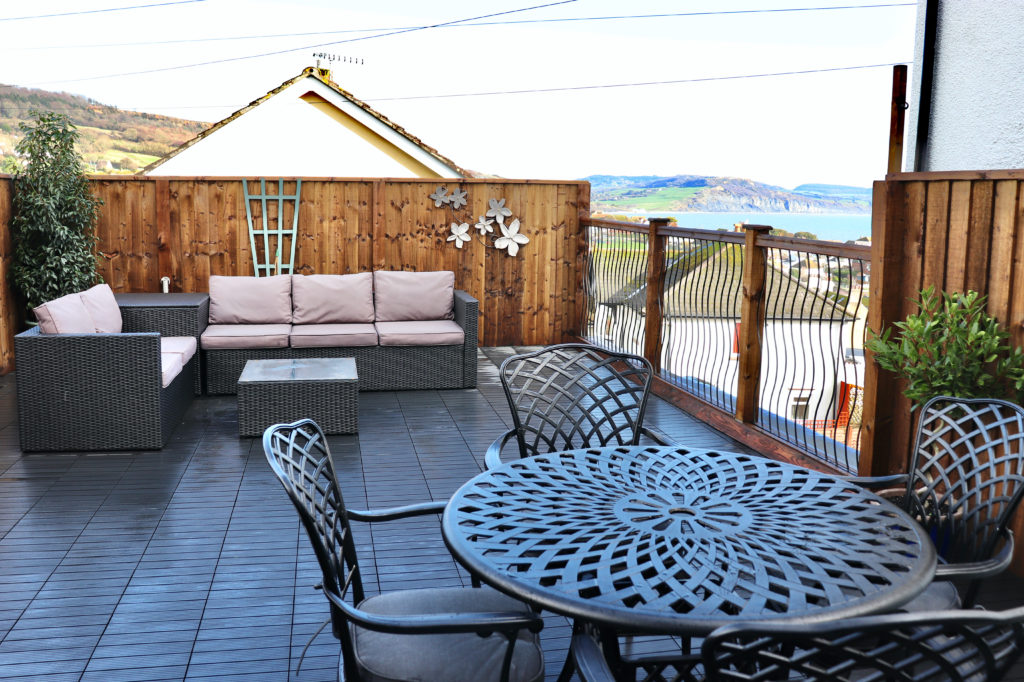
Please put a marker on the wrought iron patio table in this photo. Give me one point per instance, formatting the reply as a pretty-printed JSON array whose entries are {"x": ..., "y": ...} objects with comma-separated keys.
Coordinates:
[{"x": 680, "y": 541}]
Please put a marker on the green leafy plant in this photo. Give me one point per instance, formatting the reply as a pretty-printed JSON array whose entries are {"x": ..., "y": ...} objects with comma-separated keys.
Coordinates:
[
  {"x": 53, "y": 213},
  {"x": 951, "y": 346}
]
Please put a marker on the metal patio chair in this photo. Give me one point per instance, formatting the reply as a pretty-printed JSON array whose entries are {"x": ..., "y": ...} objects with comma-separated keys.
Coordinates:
[
  {"x": 944, "y": 646},
  {"x": 452, "y": 634},
  {"x": 966, "y": 481},
  {"x": 572, "y": 396}
]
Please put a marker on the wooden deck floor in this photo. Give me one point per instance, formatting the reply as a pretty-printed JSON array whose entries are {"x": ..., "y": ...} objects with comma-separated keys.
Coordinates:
[{"x": 189, "y": 562}]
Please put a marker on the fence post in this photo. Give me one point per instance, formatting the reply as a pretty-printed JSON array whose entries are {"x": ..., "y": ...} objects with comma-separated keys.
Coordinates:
[
  {"x": 751, "y": 320},
  {"x": 655, "y": 291},
  {"x": 164, "y": 254}
]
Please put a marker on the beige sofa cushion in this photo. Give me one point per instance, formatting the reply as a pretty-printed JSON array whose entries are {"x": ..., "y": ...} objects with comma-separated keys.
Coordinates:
[
  {"x": 65, "y": 315},
  {"x": 420, "y": 333},
  {"x": 185, "y": 346},
  {"x": 102, "y": 307},
  {"x": 332, "y": 299},
  {"x": 170, "y": 366},
  {"x": 401, "y": 296},
  {"x": 245, "y": 336},
  {"x": 328, "y": 335},
  {"x": 251, "y": 300}
]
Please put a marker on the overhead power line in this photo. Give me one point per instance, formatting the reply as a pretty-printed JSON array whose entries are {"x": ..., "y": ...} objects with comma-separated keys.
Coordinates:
[
  {"x": 571, "y": 88},
  {"x": 99, "y": 11},
  {"x": 463, "y": 25},
  {"x": 637, "y": 84},
  {"x": 305, "y": 47}
]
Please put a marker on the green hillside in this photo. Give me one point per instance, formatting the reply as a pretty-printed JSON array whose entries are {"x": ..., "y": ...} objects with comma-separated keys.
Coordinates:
[
  {"x": 661, "y": 199},
  {"x": 112, "y": 140}
]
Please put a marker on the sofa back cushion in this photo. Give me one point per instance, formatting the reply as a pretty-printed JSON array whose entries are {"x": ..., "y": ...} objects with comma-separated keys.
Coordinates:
[
  {"x": 251, "y": 300},
  {"x": 65, "y": 315},
  {"x": 332, "y": 299},
  {"x": 102, "y": 307},
  {"x": 401, "y": 296}
]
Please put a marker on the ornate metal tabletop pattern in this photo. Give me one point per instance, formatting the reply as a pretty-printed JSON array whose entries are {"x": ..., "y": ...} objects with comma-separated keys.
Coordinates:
[{"x": 677, "y": 540}]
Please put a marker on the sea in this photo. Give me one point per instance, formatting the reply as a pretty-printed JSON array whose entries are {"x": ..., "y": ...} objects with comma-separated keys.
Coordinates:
[{"x": 837, "y": 227}]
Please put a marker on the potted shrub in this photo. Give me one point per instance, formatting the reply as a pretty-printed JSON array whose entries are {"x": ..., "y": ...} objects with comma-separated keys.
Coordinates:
[
  {"x": 53, "y": 213},
  {"x": 951, "y": 346}
]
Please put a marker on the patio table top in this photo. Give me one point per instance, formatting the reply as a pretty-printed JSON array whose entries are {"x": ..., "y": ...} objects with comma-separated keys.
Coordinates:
[{"x": 681, "y": 541}]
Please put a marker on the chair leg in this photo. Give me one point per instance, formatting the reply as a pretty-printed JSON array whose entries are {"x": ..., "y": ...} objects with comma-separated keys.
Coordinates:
[{"x": 306, "y": 648}]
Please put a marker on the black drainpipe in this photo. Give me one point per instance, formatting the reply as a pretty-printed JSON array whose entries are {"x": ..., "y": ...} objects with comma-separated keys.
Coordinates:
[{"x": 924, "y": 105}]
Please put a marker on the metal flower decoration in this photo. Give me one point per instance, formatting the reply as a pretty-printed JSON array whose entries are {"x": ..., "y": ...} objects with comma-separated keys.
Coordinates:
[
  {"x": 510, "y": 238},
  {"x": 484, "y": 225},
  {"x": 498, "y": 211},
  {"x": 459, "y": 234},
  {"x": 457, "y": 198},
  {"x": 440, "y": 197}
]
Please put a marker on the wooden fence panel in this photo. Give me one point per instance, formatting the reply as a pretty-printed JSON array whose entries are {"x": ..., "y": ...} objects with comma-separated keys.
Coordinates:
[
  {"x": 10, "y": 310},
  {"x": 190, "y": 228}
]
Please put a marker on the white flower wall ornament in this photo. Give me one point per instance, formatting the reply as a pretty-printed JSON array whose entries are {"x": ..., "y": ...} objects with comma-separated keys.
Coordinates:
[
  {"x": 510, "y": 239},
  {"x": 459, "y": 234},
  {"x": 484, "y": 225}
]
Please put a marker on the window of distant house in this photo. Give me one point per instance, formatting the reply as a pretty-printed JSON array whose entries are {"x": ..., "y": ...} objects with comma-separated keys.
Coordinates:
[{"x": 799, "y": 404}]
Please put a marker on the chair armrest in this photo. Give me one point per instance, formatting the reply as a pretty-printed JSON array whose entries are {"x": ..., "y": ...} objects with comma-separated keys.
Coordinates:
[
  {"x": 656, "y": 436},
  {"x": 71, "y": 363},
  {"x": 391, "y": 513},
  {"x": 977, "y": 570},
  {"x": 483, "y": 623},
  {"x": 589, "y": 660},
  {"x": 875, "y": 482},
  {"x": 493, "y": 457}
]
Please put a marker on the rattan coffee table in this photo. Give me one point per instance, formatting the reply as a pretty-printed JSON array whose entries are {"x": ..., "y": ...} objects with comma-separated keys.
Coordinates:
[{"x": 325, "y": 390}]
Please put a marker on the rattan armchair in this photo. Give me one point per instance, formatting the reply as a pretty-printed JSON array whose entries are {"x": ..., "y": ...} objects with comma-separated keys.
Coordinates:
[
  {"x": 948, "y": 646},
  {"x": 572, "y": 396},
  {"x": 452, "y": 634},
  {"x": 966, "y": 481}
]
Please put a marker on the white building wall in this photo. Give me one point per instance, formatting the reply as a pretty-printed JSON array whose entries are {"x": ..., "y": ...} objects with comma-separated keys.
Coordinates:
[
  {"x": 977, "y": 109},
  {"x": 286, "y": 136}
]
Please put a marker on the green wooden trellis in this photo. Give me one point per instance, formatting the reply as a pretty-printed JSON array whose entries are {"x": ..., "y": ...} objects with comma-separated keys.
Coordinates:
[{"x": 273, "y": 265}]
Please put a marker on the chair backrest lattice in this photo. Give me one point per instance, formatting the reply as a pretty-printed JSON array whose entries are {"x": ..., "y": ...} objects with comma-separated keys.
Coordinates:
[
  {"x": 952, "y": 646},
  {"x": 275, "y": 239},
  {"x": 299, "y": 456},
  {"x": 967, "y": 474},
  {"x": 572, "y": 396}
]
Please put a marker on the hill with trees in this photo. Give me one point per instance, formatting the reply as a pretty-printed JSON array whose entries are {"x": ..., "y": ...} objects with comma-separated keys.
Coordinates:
[
  {"x": 686, "y": 193},
  {"x": 111, "y": 140}
]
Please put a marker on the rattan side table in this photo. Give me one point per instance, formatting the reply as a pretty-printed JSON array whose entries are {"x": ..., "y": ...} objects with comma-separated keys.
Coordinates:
[{"x": 325, "y": 390}]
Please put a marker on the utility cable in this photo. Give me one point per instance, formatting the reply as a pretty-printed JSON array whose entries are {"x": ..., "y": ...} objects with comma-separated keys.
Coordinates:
[
  {"x": 306, "y": 47},
  {"x": 466, "y": 25},
  {"x": 99, "y": 11}
]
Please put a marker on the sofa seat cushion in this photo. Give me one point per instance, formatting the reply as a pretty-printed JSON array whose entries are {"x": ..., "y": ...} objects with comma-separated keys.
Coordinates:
[
  {"x": 221, "y": 336},
  {"x": 332, "y": 299},
  {"x": 328, "y": 335},
  {"x": 402, "y": 296},
  {"x": 250, "y": 300},
  {"x": 171, "y": 365},
  {"x": 103, "y": 309},
  {"x": 452, "y": 657},
  {"x": 65, "y": 315},
  {"x": 420, "y": 333},
  {"x": 185, "y": 346}
]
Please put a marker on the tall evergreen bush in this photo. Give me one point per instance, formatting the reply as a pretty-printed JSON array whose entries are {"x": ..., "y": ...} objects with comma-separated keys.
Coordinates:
[{"x": 53, "y": 213}]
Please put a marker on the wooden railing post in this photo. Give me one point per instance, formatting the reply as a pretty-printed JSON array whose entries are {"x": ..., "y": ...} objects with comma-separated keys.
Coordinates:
[
  {"x": 751, "y": 321},
  {"x": 655, "y": 291},
  {"x": 896, "y": 117}
]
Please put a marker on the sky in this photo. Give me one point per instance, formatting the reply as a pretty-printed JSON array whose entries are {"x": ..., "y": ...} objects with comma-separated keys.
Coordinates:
[{"x": 204, "y": 59}]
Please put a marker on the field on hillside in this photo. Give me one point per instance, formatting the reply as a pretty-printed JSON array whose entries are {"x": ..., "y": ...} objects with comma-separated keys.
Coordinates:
[
  {"x": 111, "y": 140},
  {"x": 650, "y": 199}
]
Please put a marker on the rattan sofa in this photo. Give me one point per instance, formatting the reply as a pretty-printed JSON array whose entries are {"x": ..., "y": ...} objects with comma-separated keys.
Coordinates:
[
  {"x": 104, "y": 391},
  {"x": 380, "y": 367}
]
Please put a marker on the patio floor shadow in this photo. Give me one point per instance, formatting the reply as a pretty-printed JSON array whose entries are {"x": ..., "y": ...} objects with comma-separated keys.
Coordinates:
[{"x": 189, "y": 562}]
